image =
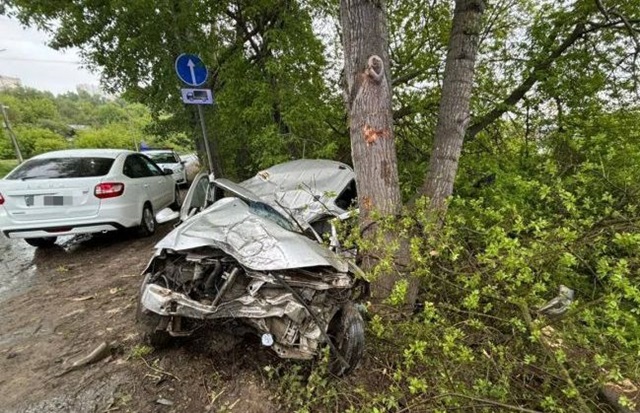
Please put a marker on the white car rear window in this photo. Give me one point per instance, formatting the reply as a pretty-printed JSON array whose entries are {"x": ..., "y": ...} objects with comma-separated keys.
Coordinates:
[{"x": 57, "y": 168}]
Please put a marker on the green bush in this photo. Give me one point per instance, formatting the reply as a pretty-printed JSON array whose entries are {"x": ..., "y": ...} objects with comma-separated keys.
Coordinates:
[
  {"x": 476, "y": 341},
  {"x": 505, "y": 249}
]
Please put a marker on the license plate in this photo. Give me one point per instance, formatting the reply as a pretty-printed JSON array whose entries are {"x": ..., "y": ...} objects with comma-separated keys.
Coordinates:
[{"x": 57, "y": 200}]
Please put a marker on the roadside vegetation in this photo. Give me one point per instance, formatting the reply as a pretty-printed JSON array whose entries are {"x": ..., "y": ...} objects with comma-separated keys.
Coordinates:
[
  {"x": 44, "y": 122},
  {"x": 566, "y": 215},
  {"x": 7, "y": 165}
]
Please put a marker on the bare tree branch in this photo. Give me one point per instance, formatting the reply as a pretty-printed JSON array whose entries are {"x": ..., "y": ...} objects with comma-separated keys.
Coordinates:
[
  {"x": 580, "y": 30},
  {"x": 518, "y": 93}
]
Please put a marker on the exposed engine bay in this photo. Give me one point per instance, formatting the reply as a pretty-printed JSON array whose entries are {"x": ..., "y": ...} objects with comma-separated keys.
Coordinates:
[{"x": 291, "y": 310}]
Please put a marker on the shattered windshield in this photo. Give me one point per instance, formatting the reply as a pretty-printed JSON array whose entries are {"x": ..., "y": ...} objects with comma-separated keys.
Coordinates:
[
  {"x": 266, "y": 211},
  {"x": 256, "y": 206}
]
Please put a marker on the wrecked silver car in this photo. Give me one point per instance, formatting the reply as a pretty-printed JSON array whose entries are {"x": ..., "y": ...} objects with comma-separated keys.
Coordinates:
[{"x": 255, "y": 253}]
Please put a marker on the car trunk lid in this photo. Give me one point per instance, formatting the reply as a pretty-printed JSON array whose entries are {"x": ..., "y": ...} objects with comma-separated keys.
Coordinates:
[
  {"x": 54, "y": 188},
  {"x": 39, "y": 200}
]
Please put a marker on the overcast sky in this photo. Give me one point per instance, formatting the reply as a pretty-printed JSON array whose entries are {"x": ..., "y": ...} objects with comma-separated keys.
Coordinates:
[{"x": 27, "y": 57}]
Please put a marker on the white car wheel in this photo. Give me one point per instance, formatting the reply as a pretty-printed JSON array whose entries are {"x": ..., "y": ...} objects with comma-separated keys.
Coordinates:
[{"x": 148, "y": 222}]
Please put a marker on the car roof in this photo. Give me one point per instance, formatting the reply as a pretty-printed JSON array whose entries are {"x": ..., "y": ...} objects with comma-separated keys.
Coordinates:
[
  {"x": 306, "y": 185},
  {"x": 80, "y": 153},
  {"x": 157, "y": 151},
  {"x": 322, "y": 174}
]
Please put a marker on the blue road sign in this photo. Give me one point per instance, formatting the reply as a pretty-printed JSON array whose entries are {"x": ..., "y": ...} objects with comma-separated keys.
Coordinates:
[{"x": 191, "y": 70}]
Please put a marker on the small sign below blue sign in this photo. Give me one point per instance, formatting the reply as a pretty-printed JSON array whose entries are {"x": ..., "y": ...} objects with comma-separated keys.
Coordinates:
[
  {"x": 197, "y": 96},
  {"x": 191, "y": 70}
]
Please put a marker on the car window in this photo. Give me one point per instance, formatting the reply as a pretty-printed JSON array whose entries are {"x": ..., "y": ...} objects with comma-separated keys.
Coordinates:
[
  {"x": 163, "y": 157},
  {"x": 57, "y": 168},
  {"x": 348, "y": 197},
  {"x": 134, "y": 167},
  {"x": 153, "y": 169},
  {"x": 200, "y": 194}
]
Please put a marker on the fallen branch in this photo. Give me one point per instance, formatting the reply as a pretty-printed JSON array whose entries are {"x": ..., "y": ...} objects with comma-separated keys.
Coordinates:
[
  {"x": 100, "y": 352},
  {"x": 85, "y": 298},
  {"x": 475, "y": 399},
  {"x": 495, "y": 403}
]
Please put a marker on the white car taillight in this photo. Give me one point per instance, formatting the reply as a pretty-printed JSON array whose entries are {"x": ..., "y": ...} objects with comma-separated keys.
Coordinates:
[
  {"x": 1, "y": 199},
  {"x": 108, "y": 190}
]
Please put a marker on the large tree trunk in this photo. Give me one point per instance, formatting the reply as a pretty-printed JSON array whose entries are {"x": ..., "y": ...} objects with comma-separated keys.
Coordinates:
[
  {"x": 453, "y": 116},
  {"x": 368, "y": 99}
]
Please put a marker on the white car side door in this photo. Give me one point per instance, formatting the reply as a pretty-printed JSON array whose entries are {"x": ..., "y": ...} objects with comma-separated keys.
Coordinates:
[
  {"x": 161, "y": 185},
  {"x": 139, "y": 181}
]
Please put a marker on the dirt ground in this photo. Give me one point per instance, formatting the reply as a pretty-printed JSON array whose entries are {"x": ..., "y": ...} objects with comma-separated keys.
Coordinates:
[{"x": 60, "y": 304}]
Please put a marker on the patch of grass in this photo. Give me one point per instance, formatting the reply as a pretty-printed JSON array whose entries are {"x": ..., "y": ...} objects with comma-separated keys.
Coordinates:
[
  {"x": 140, "y": 351},
  {"x": 6, "y": 165}
]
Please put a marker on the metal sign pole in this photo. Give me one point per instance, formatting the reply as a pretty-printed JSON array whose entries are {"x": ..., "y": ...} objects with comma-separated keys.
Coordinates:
[{"x": 206, "y": 139}]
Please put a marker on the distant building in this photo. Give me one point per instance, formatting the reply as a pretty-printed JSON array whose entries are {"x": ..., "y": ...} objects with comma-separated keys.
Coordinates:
[{"x": 8, "y": 83}]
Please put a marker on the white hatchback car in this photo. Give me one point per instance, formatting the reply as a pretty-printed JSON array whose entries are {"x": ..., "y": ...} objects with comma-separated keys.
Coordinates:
[
  {"x": 167, "y": 158},
  {"x": 81, "y": 191}
]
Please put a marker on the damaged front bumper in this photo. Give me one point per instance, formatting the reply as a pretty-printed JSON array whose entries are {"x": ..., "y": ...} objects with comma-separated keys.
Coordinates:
[
  {"x": 264, "y": 313},
  {"x": 166, "y": 302}
]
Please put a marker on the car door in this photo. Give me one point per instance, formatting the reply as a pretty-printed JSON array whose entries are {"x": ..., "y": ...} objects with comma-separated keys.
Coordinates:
[
  {"x": 198, "y": 197},
  {"x": 140, "y": 178},
  {"x": 161, "y": 186}
]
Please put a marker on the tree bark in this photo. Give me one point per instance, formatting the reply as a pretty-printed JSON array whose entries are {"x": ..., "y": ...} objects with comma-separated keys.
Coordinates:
[
  {"x": 453, "y": 115},
  {"x": 368, "y": 100}
]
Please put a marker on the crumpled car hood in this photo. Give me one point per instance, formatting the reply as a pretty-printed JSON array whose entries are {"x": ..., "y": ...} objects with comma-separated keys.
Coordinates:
[{"x": 256, "y": 242}]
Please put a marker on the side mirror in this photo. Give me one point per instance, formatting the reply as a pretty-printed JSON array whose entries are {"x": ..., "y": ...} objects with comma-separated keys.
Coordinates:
[
  {"x": 166, "y": 215},
  {"x": 183, "y": 162},
  {"x": 167, "y": 171}
]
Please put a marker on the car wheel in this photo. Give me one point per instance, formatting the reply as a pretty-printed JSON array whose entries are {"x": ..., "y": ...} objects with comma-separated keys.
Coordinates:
[
  {"x": 45, "y": 242},
  {"x": 148, "y": 322},
  {"x": 148, "y": 222},
  {"x": 177, "y": 202},
  {"x": 346, "y": 331}
]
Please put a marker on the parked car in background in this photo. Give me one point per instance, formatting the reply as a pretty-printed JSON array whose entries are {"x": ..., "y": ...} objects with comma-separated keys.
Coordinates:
[
  {"x": 83, "y": 191},
  {"x": 250, "y": 255},
  {"x": 167, "y": 158}
]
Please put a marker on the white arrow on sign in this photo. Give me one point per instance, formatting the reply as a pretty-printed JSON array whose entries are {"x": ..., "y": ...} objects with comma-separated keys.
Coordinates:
[{"x": 193, "y": 73}]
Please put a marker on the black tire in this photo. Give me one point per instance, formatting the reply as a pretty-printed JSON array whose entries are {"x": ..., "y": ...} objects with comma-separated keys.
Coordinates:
[
  {"x": 148, "y": 222},
  {"x": 148, "y": 322},
  {"x": 346, "y": 331},
  {"x": 45, "y": 242},
  {"x": 177, "y": 200}
]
